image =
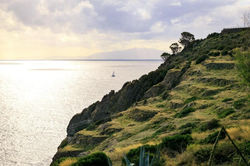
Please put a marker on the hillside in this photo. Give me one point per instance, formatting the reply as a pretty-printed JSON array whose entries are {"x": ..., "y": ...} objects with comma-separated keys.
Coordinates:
[{"x": 189, "y": 98}]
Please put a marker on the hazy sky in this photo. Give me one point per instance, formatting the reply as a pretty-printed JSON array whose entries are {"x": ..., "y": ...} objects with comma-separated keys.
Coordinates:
[{"x": 42, "y": 29}]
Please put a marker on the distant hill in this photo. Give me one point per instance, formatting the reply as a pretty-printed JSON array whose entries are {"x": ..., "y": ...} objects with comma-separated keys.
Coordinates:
[{"x": 133, "y": 53}]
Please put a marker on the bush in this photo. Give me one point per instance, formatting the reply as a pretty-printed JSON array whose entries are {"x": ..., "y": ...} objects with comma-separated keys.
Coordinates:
[
  {"x": 224, "y": 152},
  {"x": 224, "y": 52},
  {"x": 239, "y": 103},
  {"x": 224, "y": 113},
  {"x": 190, "y": 99},
  {"x": 184, "y": 112},
  {"x": 134, "y": 155},
  {"x": 202, "y": 155},
  {"x": 188, "y": 125},
  {"x": 214, "y": 123},
  {"x": 177, "y": 142},
  {"x": 243, "y": 65},
  {"x": 210, "y": 139},
  {"x": 201, "y": 59},
  {"x": 94, "y": 159},
  {"x": 227, "y": 99},
  {"x": 214, "y": 53}
]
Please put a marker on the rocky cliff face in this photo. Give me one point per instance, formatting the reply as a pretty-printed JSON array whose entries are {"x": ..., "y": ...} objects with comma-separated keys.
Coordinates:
[{"x": 182, "y": 95}]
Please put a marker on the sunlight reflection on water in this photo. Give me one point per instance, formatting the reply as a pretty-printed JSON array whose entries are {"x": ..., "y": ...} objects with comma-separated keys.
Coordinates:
[{"x": 38, "y": 98}]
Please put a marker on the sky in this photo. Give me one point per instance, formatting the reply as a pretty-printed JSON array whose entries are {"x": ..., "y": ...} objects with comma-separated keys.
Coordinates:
[{"x": 75, "y": 29}]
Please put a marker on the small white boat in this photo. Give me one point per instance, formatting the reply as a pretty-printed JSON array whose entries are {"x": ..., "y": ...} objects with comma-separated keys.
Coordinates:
[{"x": 113, "y": 74}]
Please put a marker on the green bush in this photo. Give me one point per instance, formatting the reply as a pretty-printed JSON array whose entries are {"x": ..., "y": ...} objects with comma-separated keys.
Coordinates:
[
  {"x": 214, "y": 53},
  {"x": 227, "y": 99},
  {"x": 224, "y": 153},
  {"x": 225, "y": 112},
  {"x": 184, "y": 112},
  {"x": 224, "y": 52},
  {"x": 190, "y": 99},
  {"x": 210, "y": 139},
  {"x": 188, "y": 125},
  {"x": 243, "y": 65},
  {"x": 239, "y": 103},
  {"x": 134, "y": 155},
  {"x": 214, "y": 123},
  {"x": 177, "y": 142},
  {"x": 94, "y": 159},
  {"x": 202, "y": 155},
  {"x": 201, "y": 59}
]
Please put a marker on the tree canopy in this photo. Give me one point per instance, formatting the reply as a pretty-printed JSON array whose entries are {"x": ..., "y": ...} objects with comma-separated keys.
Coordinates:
[
  {"x": 175, "y": 48},
  {"x": 165, "y": 56},
  {"x": 186, "y": 38}
]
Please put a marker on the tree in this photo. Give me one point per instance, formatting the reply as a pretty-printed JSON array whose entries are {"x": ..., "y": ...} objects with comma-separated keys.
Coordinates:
[
  {"x": 246, "y": 19},
  {"x": 165, "y": 56},
  {"x": 175, "y": 48},
  {"x": 186, "y": 38}
]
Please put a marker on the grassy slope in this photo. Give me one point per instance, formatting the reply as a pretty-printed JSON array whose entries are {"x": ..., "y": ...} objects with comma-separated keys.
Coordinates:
[{"x": 212, "y": 93}]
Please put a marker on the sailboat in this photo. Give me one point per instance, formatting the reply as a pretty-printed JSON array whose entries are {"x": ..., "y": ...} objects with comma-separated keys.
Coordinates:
[{"x": 113, "y": 74}]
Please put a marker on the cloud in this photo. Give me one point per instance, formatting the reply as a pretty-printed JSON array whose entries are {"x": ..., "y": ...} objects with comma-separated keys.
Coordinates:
[{"x": 107, "y": 25}]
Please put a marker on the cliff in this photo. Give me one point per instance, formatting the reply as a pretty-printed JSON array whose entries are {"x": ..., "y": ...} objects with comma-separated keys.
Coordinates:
[{"x": 193, "y": 93}]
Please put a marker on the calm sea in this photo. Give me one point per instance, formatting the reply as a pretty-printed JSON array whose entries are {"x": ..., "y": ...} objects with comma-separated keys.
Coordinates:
[{"x": 38, "y": 98}]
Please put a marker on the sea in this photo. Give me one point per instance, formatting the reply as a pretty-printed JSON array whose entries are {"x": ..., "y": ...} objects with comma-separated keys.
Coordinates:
[{"x": 38, "y": 99}]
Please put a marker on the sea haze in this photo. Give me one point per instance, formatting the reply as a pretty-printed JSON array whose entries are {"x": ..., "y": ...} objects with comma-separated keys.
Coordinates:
[{"x": 38, "y": 98}]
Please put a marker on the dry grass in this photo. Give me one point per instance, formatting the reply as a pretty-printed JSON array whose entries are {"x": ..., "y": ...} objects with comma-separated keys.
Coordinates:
[
  {"x": 69, "y": 148},
  {"x": 68, "y": 162},
  {"x": 239, "y": 133}
]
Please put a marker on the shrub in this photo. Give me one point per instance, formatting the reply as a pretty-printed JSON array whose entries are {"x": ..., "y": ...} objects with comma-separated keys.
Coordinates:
[
  {"x": 224, "y": 52},
  {"x": 190, "y": 99},
  {"x": 243, "y": 65},
  {"x": 210, "y": 139},
  {"x": 227, "y": 99},
  {"x": 214, "y": 53},
  {"x": 224, "y": 113},
  {"x": 214, "y": 123},
  {"x": 134, "y": 155},
  {"x": 201, "y": 59},
  {"x": 224, "y": 153},
  {"x": 239, "y": 103},
  {"x": 202, "y": 155},
  {"x": 184, "y": 112},
  {"x": 94, "y": 159},
  {"x": 188, "y": 125},
  {"x": 177, "y": 142}
]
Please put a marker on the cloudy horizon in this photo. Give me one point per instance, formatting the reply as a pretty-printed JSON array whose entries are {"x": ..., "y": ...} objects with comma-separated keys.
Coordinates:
[{"x": 60, "y": 29}]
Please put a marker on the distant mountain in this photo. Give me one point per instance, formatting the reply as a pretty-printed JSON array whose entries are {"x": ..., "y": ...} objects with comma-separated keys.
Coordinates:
[{"x": 133, "y": 53}]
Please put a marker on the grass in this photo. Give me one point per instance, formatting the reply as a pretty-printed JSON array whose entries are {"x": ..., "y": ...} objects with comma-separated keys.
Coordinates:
[
  {"x": 68, "y": 162},
  {"x": 70, "y": 148}
]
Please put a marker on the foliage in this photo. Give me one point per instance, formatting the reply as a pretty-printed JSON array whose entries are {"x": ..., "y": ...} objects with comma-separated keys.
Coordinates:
[
  {"x": 239, "y": 103},
  {"x": 243, "y": 65},
  {"x": 227, "y": 99},
  {"x": 214, "y": 123},
  {"x": 201, "y": 59},
  {"x": 139, "y": 156},
  {"x": 214, "y": 53},
  {"x": 186, "y": 38},
  {"x": 184, "y": 112},
  {"x": 210, "y": 139},
  {"x": 175, "y": 48},
  {"x": 177, "y": 142},
  {"x": 190, "y": 99},
  {"x": 187, "y": 125},
  {"x": 93, "y": 159},
  {"x": 225, "y": 112},
  {"x": 165, "y": 56},
  {"x": 202, "y": 155}
]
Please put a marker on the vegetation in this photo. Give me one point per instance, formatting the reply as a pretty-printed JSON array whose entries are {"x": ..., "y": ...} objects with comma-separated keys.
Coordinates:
[
  {"x": 186, "y": 38},
  {"x": 177, "y": 109},
  {"x": 243, "y": 65},
  {"x": 94, "y": 159}
]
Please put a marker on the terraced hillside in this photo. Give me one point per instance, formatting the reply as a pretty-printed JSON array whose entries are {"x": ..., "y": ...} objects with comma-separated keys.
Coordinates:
[{"x": 179, "y": 109}]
